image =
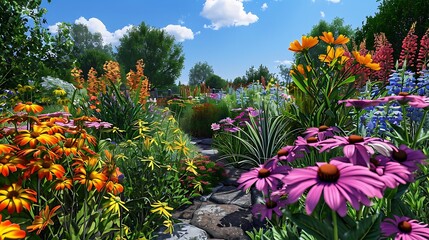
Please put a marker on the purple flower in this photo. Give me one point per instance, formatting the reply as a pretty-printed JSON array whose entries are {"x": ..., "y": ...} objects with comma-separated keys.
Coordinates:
[
  {"x": 321, "y": 132},
  {"x": 309, "y": 142},
  {"x": 271, "y": 205},
  {"x": 55, "y": 114},
  {"x": 390, "y": 172},
  {"x": 405, "y": 98},
  {"x": 98, "y": 125},
  {"x": 215, "y": 126},
  {"x": 265, "y": 177},
  {"x": 231, "y": 129},
  {"x": 404, "y": 228},
  {"x": 289, "y": 153},
  {"x": 227, "y": 120},
  {"x": 338, "y": 182},
  {"x": 361, "y": 103},
  {"x": 358, "y": 149},
  {"x": 408, "y": 157}
]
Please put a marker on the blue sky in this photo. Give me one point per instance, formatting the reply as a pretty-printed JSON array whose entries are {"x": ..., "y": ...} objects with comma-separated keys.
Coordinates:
[{"x": 230, "y": 35}]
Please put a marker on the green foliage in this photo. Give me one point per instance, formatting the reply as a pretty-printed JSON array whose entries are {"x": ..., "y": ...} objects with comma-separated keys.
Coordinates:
[
  {"x": 254, "y": 74},
  {"x": 84, "y": 40},
  {"x": 214, "y": 81},
  {"x": 93, "y": 58},
  {"x": 199, "y": 73},
  {"x": 163, "y": 57}
]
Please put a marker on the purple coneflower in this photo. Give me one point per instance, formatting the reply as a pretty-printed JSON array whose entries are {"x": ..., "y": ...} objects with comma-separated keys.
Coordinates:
[
  {"x": 289, "y": 153},
  {"x": 339, "y": 182},
  {"x": 391, "y": 173},
  {"x": 265, "y": 177},
  {"x": 323, "y": 132},
  {"x": 271, "y": 205},
  {"x": 404, "y": 228},
  {"x": 408, "y": 157},
  {"x": 215, "y": 126},
  {"x": 309, "y": 142},
  {"x": 356, "y": 148},
  {"x": 405, "y": 98},
  {"x": 362, "y": 103}
]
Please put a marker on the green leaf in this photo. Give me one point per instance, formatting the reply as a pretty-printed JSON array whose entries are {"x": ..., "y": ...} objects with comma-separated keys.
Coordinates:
[
  {"x": 312, "y": 226},
  {"x": 366, "y": 229},
  {"x": 400, "y": 209},
  {"x": 348, "y": 80}
]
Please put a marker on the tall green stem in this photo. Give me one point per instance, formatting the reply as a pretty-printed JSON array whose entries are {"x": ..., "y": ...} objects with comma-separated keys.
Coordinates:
[{"x": 335, "y": 224}]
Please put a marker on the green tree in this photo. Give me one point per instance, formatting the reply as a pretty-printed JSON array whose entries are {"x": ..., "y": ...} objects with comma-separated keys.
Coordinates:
[
  {"x": 27, "y": 50},
  {"x": 163, "y": 57},
  {"x": 214, "y": 81},
  {"x": 285, "y": 73},
  {"x": 394, "y": 18},
  {"x": 84, "y": 40},
  {"x": 256, "y": 74},
  {"x": 94, "y": 58},
  {"x": 199, "y": 73}
]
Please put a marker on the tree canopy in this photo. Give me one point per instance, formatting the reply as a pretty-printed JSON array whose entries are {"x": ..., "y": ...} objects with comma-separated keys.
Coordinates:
[
  {"x": 254, "y": 74},
  {"x": 199, "y": 73},
  {"x": 163, "y": 58}
]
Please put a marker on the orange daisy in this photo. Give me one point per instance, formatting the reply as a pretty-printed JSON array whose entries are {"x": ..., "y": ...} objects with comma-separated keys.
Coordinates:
[
  {"x": 333, "y": 54},
  {"x": 329, "y": 38},
  {"x": 6, "y": 148},
  {"x": 37, "y": 152},
  {"x": 69, "y": 146},
  {"x": 10, "y": 163},
  {"x": 307, "y": 43},
  {"x": 28, "y": 107},
  {"x": 366, "y": 61},
  {"x": 43, "y": 219},
  {"x": 47, "y": 168},
  {"x": 63, "y": 183},
  {"x": 38, "y": 135},
  {"x": 114, "y": 188},
  {"x": 9, "y": 230},
  {"x": 93, "y": 179},
  {"x": 14, "y": 198}
]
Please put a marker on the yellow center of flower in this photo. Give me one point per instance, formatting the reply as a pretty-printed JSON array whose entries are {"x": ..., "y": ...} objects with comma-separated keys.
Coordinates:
[
  {"x": 312, "y": 140},
  {"x": 270, "y": 204},
  {"x": 12, "y": 194},
  {"x": 355, "y": 139},
  {"x": 400, "y": 155},
  {"x": 263, "y": 173},
  {"x": 282, "y": 152},
  {"x": 405, "y": 227},
  {"x": 323, "y": 128},
  {"x": 328, "y": 173}
]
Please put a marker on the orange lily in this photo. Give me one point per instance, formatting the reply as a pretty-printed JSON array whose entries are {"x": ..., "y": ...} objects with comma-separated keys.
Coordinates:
[
  {"x": 28, "y": 107},
  {"x": 307, "y": 43},
  {"x": 366, "y": 61},
  {"x": 43, "y": 219},
  {"x": 14, "y": 198},
  {"x": 9, "y": 230},
  {"x": 329, "y": 38},
  {"x": 337, "y": 53}
]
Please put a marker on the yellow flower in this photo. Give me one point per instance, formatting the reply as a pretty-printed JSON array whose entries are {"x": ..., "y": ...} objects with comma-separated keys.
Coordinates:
[
  {"x": 161, "y": 208},
  {"x": 191, "y": 167},
  {"x": 169, "y": 225},
  {"x": 307, "y": 43},
  {"x": 28, "y": 107},
  {"x": 151, "y": 161},
  {"x": 332, "y": 54},
  {"x": 117, "y": 130},
  {"x": 171, "y": 119},
  {"x": 366, "y": 61},
  {"x": 180, "y": 145},
  {"x": 329, "y": 38},
  {"x": 114, "y": 204},
  {"x": 148, "y": 141},
  {"x": 59, "y": 92},
  {"x": 198, "y": 186},
  {"x": 168, "y": 146}
]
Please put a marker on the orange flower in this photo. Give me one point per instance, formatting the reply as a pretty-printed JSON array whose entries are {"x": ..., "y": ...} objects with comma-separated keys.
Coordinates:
[
  {"x": 94, "y": 179},
  {"x": 28, "y": 107},
  {"x": 300, "y": 69},
  {"x": 6, "y": 148},
  {"x": 9, "y": 230},
  {"x": 307, "y": 43},
  {"x": 14, "y": 198},
  {"x": 47, "y": 168},
  {"x": 332, "y": 54},
  {"x": 43, "y": 219},
  {"x": 329, "y": 38},
  {"x": 10, "y": 163},
  {"x": 38, "y": 152},
  {"x": 114, "y": 188},
  {"x": 366, "y": 61},
  {"x": 63, "y": 183},
  {"x": 68, "y": 147},
  {"x": 38, "y": 135}
]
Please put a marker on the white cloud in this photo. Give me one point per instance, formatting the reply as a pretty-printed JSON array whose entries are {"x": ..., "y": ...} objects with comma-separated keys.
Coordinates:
[
  {"x": 284, "y": 62},
  {"x": 96, "y": 25},
  {"x": 264, "y": 6},
  {"x": 313, "y": 1},
  {"x": 334, "y": 1},
  {"x": 322, "y": 14},
  {"x": 54, "y": 28},
  {"x": 179, "y": 32},
  {"x": 227, "y": 13}
]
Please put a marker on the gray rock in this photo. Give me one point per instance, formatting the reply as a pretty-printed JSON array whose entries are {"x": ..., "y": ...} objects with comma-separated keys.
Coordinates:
[
  {"x": 233, "y": 174},
  {"x": 206, "y": 141},
  {"x": 223, "y": 221},
  {"x": 209, "y": 152},
  {"x": 184, "y": 231},
  {"x": 232, "y": 195}
]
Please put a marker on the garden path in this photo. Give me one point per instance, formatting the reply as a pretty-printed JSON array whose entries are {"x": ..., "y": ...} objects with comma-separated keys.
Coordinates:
[{"x": 223, "y": 214}]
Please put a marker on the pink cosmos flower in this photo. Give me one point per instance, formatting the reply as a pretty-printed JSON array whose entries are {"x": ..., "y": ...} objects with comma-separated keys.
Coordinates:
[
  {"x": 289, "y": 153},
  {"x": 404, "y": 228},
  {"x": 271, "y": 205},
  {"x": 408, "y": 157},
  {"x": 390, "y": 172},
  {"x": 323, "y": 132},
  {"x": 215, "y": 126},
  {"x": 362, "y": 103},
  {"x": 405, "y": 98},
  {"x": 338, "y": 182},
  {"x": 356, "y": 148},
  {"x": 265, "y": 177}
]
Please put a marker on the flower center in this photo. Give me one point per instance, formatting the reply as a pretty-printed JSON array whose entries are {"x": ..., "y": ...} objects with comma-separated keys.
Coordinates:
[
  {"x": 12, "y": 194},
  {"x": 312, "y": 140},
  {"x": 35, "y": 134},
  {"x": 323, "y": 128},
  {"x": 405, "y": 227},
  {"x": 263, "y": 173},
  {"x": 271, "y": 204},
  {"x": 282, "y": 152},
  {"x": 328, "y": 173},
  {"x": 400, "y": 155},
  {"x": 355, "y": 139},
  {"x": 404, "y": 94},
  {"x": 46, "y": 165},
  {"x": 374, "y": 161}
]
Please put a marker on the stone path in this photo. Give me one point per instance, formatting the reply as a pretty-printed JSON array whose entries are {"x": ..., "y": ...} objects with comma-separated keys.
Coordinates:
[{"x": 223, "y": 214}]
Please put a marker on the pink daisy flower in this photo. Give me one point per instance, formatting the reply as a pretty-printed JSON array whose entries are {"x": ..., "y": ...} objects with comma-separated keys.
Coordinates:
[
  {"x": 362, "y": 103},
  {"x": 404, "y": 228},
  {"x": 390, "y": 172},
  {"x": 356, "y": 148},
  {"x": 323, "y": 132},
  {"x": 265, "y": 177},
  {"x": 307, "y": 142},
  {"x": 289, "y": 153},
  {"x": 271, "y": 205},
  {"x": 405, "y": 98},
  {"x": 408, "y": 157},
  {"x": 338, "y": 182}
]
